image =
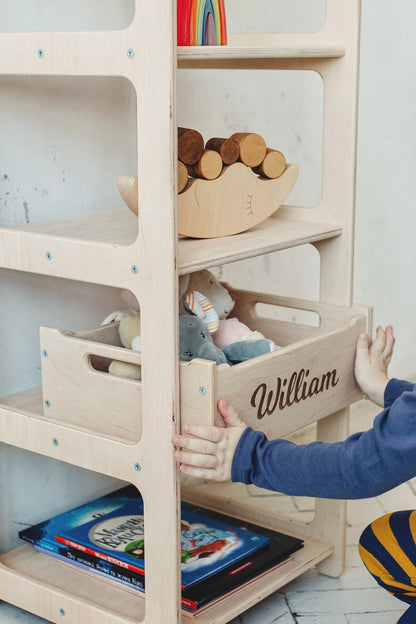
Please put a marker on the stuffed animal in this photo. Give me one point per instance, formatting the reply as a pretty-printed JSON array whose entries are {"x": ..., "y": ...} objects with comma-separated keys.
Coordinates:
[
  {"x": 206, "y": 283},
  {"x": 129, "y": 332},
  {"x": 195, "y": 341},
  {"x": 194, "y": 287}
]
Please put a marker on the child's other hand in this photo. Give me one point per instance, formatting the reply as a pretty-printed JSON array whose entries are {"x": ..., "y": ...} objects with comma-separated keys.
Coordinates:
[
  {"x": 209, "y": 453},
  {"x": 371, "y": 363}
]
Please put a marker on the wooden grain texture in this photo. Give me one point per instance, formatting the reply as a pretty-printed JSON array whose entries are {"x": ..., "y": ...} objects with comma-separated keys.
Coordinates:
[
  {"x": 208, "y": 167},
  {"x": 234, "y": 202},
  {"x": 129, "y": 191},
  {"x": 273, "y": 165},
  {"x": 252, "y": 148},
  {"x": 182, "y": 176},
  {"x": 190, "y": 145},
  {"x": 228, "y": 149}
]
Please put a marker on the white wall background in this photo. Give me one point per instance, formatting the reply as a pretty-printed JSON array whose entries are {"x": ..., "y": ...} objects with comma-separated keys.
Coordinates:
[{"x": 64, "y": 142}]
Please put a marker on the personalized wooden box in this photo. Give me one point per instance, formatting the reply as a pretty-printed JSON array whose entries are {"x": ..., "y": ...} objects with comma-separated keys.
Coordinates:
[{"x": 308, "y": 378}]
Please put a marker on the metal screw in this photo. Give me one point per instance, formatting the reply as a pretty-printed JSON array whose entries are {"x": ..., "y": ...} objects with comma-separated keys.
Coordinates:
[
  {"x": 134, "y": 269},
  {"x": 55, "y": 442},
  {"x": 48, "y": 255},
  {"x": 202, "y": 391},
  {"x": 44, "y": 353},
  {"x": 47, "y": 403},
  {"x": 137, "y": 467},
  {"x": 41, "y": 53},
  {"x": 130, "y": 53}
]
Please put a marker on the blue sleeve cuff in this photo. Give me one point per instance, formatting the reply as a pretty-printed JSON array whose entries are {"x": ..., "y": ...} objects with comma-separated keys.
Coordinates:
[
  {"x": 242, "y": 465},
  {"x": 394, "y": 389}
]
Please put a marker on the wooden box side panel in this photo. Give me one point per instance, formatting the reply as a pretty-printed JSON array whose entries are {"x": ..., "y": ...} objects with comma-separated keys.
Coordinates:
[
  {"x": 283, "y": 391},
  {"x": 77, "y": 393},
  {"x": 198, "y": 392},
  {"x": 323, "y": 318}
]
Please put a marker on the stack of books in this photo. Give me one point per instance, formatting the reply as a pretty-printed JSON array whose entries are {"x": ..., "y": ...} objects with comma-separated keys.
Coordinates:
[{"x": 106, "y": 536}]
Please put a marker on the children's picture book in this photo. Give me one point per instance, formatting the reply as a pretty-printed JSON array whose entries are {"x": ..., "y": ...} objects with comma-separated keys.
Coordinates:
[
  {"x": 43, "y": 533},
  {"x": 208, "y": 545},
  {"x": 97, "y": 566},
  {"x": 219, "y": 553}
]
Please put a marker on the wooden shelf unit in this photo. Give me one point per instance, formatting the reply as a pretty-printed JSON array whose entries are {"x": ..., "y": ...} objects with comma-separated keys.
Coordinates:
[{"x": 109, "y": 249}]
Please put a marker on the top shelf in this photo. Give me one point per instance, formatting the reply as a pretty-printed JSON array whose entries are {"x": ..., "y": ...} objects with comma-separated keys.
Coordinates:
[
  {"x": 70, "y": 53},
  {"x": 263, "y": 46}
]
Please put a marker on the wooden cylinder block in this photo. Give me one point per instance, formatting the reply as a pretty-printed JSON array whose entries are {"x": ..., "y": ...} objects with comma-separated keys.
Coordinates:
[
  {"x": 228, "y": 149},
  {"x": 182, "y": 176},
  {"x": 190, "y": 145},
  {"x": 252, "y": 148},
  {"x": 273, "y": 165},
  {"x": 208, "y": 167}
]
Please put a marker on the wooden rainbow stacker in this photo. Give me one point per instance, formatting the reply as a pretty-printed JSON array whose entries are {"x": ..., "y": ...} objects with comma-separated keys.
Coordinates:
[{"x": 201, "y": 22}]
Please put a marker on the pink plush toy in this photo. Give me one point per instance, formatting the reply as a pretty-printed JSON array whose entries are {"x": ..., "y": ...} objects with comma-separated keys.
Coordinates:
[
  {"x": 232, "y": 330},
  {"x": 205, "y": 296}
]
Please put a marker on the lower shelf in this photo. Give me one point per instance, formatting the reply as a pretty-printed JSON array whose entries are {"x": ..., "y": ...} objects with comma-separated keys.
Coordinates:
[{"x": 50, "y": 588}]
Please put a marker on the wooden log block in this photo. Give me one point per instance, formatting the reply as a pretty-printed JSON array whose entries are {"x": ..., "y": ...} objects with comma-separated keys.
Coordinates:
[
  {"x": 208, "y": 167},
  {"x": 182, "y": 176},
  {"x": 273, "y": 165},
  {"x": 228, "y": 149},
  {"x": 190, "y": 145},
  {"x": 252, "y": 148}
]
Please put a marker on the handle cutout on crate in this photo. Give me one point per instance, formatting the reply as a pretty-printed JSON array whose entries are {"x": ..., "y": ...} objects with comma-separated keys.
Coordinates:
[
  {"x": 288, "y": 314},
  {"x": 114, "y": 367}
]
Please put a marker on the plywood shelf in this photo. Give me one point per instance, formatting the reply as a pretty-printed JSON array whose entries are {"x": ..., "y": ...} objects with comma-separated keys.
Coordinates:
[
  {"x": 24, "y": 424},
  {"x": 112, "y": 234},
  {"x": 69, "y": 53},
  {"x": 264, "y": 45},
  {"x": 27, "y": 573}
]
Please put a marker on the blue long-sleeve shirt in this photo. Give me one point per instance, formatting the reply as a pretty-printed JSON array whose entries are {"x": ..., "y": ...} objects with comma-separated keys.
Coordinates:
[{"x": 365, "y": 464}]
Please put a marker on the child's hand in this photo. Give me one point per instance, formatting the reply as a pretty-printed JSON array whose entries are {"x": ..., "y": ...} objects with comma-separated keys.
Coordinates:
[
  {"x": 371, "y": 363},
  {"x": 209, "y": 454}
]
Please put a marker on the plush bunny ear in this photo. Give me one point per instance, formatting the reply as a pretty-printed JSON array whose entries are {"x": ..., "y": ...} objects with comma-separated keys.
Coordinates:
[{"x": 197, "y": 304}]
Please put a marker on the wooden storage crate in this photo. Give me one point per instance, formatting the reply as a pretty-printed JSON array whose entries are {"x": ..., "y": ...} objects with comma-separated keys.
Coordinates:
[{"x": 310, "y": 377}]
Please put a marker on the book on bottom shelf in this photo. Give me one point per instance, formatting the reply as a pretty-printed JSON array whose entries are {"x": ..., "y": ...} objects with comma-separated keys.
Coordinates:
[{"x": 106, "y": 536}]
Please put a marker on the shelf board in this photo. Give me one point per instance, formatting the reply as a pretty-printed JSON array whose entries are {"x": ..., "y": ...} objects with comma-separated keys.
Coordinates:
[
  {"x": 115, "y": 232},
  {"x": 280, "y": 231},
  {"x": 25, "y": 573},
  {"x": 261, "y": 46},
  {"x": 115, "y": 227},
  {"x": 24, "y": 425}
]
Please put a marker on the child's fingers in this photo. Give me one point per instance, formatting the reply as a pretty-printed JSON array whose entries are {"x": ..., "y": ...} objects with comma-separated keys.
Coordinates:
[
  {"x": 379, "y": 342},
  {"x": 213, "y": 434},
  {"x": 390, "y": 340},
  {"x": 229, "y": 413},
  {"x": 198, "y": 445},
  {"x": 362, "y": 349},
  {"x": 196, "y": 459},
  {"x": 200, "y": 473}
]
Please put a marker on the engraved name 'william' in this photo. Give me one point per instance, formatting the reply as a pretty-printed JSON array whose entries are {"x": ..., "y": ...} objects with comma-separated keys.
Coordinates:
[{"x": 288, "y": 391}]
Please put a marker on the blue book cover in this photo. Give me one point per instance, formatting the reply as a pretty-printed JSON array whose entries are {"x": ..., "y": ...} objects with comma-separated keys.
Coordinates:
[
  {"x": 111, "y": 528},
  {"x": 43, "y": 533},
  {"x": 207, "y": 545}
]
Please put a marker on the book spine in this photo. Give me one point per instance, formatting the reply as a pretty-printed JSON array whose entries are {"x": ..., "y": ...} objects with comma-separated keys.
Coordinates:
[
  {"x": 112, "y": 573},
  {"x": 99, "y": 555}
]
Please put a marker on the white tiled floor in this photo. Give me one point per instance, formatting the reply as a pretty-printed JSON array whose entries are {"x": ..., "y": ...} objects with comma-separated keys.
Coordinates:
[{"x": 354, "y": 598}]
